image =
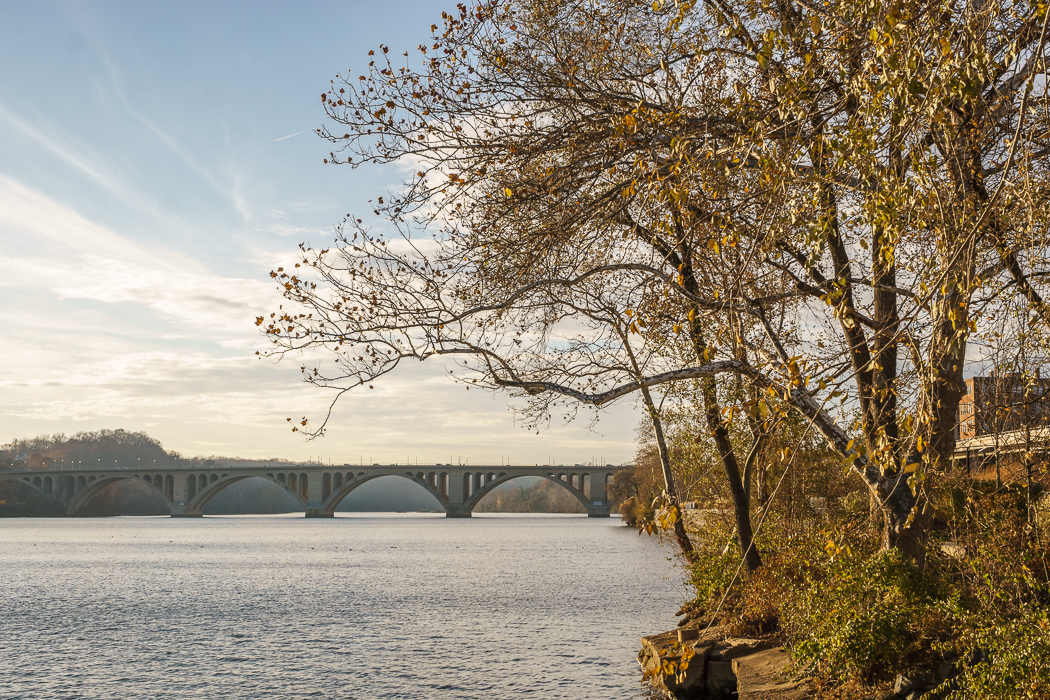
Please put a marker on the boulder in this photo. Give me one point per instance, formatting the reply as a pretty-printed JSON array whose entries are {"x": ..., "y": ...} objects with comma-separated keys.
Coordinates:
[
  {"x": 734, "y": 647},
  {"x": 721, "y": 681},
  {"x": 915, "y": 682},
  {"x": 764, "y": 675},
  {"x": 660, "y": 648},
  {"x": 721, "y": 668}
]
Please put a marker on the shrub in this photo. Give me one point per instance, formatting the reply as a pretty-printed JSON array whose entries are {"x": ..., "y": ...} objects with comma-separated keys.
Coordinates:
[
  {"x": 855, "y": 616},
  {"x": 871, "y": 617},
  {"x": 1012, "y": 661}
]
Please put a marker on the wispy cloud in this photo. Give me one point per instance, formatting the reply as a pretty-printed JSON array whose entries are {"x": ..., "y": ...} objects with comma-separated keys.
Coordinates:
[
  {"x": 53, "y": 139},
  {"x": 98, "y": 264},
  {"x": 199, "y": 168},
  {"x": 38, "y": 222}
]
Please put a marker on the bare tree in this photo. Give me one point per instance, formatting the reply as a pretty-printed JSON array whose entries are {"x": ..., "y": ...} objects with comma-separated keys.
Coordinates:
[{"x": 815, "y": 199}]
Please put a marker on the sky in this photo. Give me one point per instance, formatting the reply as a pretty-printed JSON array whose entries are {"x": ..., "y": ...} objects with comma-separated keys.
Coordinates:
[{"x": 157, "y": 160}]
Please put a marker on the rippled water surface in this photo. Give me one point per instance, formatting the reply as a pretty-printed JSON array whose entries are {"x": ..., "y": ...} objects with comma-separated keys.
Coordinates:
[{"x": 384, "y": 606}]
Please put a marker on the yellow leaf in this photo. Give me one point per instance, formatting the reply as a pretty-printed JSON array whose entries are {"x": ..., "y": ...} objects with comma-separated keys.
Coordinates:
[{"x": 507, "y": 191}]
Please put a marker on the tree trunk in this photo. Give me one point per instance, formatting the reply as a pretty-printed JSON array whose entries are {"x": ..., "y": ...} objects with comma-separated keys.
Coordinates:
[
  {"x": 720, "y": 433},
  {"x": 741, "y": 502},
  {"x": 670, "y": 487},
  {"x": 762, "y": 492},
  {"x": 903, "y": 531}
]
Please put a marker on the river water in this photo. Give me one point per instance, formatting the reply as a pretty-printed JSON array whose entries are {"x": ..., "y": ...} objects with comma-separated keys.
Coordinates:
[{"x": 364, "y": 606}]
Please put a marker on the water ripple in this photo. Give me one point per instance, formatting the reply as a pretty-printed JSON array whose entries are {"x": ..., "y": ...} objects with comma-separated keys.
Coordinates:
[{"x": 359, "y": 607}]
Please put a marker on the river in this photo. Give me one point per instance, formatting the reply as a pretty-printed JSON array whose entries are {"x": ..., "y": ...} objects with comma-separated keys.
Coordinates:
[{"x": 364, "y": 606}]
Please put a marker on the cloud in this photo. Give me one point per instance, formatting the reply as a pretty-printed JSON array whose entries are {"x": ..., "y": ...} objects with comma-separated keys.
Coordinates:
[
  {"x": 220, "y": 303},
  {"x": 239, "y": 405},
  {"x": 78, "y": 259},
  {"x": 109, "y": 332},
  {"x": 199, "y": 168},
  {"x": 51, "y": 139},
  {"x": 38, "y": 223}
]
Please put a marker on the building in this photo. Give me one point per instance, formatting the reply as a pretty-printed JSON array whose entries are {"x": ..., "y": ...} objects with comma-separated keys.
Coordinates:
[
  {"x": 1003, "y": 403},
  {"x": 1003, "y": 427}
]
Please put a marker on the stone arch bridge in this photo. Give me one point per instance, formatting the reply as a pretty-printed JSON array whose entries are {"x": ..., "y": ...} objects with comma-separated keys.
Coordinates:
[{"x": 319, "y": 489}]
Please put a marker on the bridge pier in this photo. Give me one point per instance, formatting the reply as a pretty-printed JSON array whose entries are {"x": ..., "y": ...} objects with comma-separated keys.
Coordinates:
[
  {"x": 455, "y": 511},
  {"x": 316, "y": 510},
  {"x": 598, "y": 510},
  {"x": 179, "y": 509}
]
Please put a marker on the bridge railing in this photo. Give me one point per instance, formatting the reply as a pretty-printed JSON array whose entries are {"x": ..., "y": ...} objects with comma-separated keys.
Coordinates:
[{"x": 81, "y": 466}]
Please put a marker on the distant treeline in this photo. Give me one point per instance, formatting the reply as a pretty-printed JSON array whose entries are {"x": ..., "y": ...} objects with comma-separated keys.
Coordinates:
[
  {"x": 541, "y": 496},
  {"x": 105, "y": 447}
]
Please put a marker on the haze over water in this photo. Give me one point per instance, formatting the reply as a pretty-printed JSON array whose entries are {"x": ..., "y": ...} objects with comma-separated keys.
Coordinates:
[{"x": 367, "y": 606}]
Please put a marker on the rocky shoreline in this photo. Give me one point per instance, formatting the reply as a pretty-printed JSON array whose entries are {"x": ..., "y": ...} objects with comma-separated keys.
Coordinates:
[
  {"x": 718, "y": 666},
  {"x": 696, "y": 662}
]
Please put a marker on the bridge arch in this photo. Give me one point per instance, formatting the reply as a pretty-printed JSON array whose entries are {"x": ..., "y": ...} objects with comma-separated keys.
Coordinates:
[
  {"x": 34, "y": 484},
  {"x": 351, "y": 482},
  {"x": 489, "y": 486},
  {"x": 215, "y": 485},
  {"x": 88, "y": 488}
]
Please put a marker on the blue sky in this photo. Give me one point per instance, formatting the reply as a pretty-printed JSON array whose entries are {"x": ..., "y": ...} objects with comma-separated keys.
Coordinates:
[{"x": 156, "y": 161}]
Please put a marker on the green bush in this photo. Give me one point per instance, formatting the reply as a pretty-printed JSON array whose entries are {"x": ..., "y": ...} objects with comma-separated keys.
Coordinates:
[
  {"x": 1013, "y": 661},
  {"x": 855, "y": 617},
  {"x": 713, "y": 572},
  {"x": 870, "y": 617}
]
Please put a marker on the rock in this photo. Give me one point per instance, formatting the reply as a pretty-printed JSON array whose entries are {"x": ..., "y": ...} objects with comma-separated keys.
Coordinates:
[
  {"x": 916, "y": 680},
  {"x": 665, "y": 647},
  {"x": 901, "y": 684},
  {"x": 721, "y": 681},
  {"x": 688, "y": 635},
  {"x": 735, "y": 647},
  {"x": 747, "y": 669},
  {"x": 762, "y": 675}
]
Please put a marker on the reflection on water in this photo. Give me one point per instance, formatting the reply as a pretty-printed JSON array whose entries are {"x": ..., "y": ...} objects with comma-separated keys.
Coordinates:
[{"x": 367, "y": 606}]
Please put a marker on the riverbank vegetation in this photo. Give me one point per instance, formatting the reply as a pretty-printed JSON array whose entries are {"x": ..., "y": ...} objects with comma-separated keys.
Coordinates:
[
  {"x": 975, "y": 621},
  {"x": 788, "y": 230}
]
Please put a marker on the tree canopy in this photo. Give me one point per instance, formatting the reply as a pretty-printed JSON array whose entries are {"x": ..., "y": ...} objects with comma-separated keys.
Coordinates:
[{"x": 824, "y": 201}]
